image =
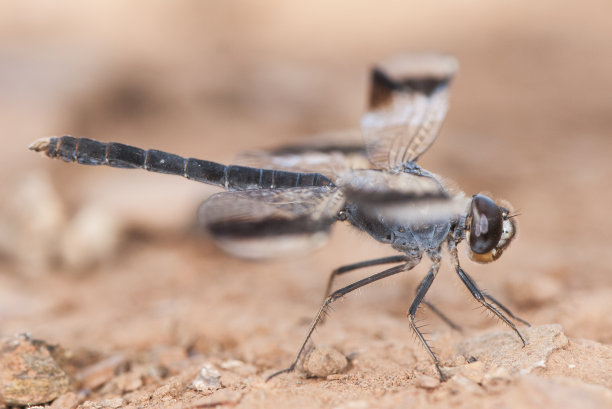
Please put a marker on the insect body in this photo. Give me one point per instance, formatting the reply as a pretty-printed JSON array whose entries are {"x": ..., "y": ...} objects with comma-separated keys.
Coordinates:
[{"x": 290, "y": 202}]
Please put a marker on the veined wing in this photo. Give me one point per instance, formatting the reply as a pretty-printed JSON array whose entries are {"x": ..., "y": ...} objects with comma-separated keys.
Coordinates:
[
  {"x": 271, "y": 222},
  {"x": 402, "y": 198},
  {"x": 329, "y": 153},
  {"x": 408, "y": 103}
]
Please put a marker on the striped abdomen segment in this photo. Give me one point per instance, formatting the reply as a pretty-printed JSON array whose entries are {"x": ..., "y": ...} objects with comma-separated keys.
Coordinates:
[{"x": 91, "y": 152}]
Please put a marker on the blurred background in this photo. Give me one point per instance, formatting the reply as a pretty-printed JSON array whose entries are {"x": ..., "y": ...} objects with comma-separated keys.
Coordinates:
[{"x": 530, "y": 121}]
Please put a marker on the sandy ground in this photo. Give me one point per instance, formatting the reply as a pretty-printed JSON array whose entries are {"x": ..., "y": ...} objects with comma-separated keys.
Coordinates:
[{"x": 106, "y": 263}]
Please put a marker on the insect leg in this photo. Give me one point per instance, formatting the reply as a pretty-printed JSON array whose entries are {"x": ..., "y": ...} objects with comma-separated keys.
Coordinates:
[
  {"x": 355, "y": 266},
  {"x": 442, "y": 316},
  {"x": 384, "y": 260},
  {"x": 505, "y": 309},
  {"x": 335, "y": 296},
  {"x": 420, "y": 295},
  {"x": 479, "y": 295}
]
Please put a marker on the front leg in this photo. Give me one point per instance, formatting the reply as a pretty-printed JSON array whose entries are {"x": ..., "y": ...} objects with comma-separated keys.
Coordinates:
[{"x": 481, "y": 297}]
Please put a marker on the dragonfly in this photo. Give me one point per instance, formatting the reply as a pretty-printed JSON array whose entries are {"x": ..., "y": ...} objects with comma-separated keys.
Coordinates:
[{"x": 377, "y": 187}]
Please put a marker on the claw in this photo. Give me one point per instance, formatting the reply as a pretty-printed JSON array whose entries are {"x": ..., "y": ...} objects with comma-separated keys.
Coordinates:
[{"x": 282, "y": 371}]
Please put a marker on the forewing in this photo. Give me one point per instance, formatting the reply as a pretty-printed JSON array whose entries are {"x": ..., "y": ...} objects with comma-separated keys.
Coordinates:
[
  {"x": 402, "y": 198},
  {"x": 408, "y": 103},
  {"x": 271, "y": 223}
]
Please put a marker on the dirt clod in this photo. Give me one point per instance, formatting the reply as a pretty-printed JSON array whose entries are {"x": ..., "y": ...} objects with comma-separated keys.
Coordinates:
[
  {"x": 324, "y": 361},
  {"x": 504, "y": 349}
]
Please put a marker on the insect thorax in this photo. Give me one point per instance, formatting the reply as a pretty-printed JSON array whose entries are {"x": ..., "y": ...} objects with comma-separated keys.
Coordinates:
[
  {"x": 419, "y": 237},
  {"x": 413, "y": 239}
]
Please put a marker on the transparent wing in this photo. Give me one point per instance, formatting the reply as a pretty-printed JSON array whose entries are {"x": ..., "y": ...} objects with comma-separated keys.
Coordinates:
[
  {"x": 271, "y": 223},
  {"x": 402, "y": 198},
  {"x": 408, "y": 103},
  {"x": 328, "y": 153}
]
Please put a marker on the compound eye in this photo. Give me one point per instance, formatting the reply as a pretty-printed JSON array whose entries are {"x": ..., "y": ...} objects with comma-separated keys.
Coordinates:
[{"x": 486, "y": 226}]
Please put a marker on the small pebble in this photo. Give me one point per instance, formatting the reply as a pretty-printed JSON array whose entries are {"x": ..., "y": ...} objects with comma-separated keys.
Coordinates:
[
  {"x": 207, "y": 379},
  {"x": 324, "y": 361},
  {"x": 29, "y": 372}
]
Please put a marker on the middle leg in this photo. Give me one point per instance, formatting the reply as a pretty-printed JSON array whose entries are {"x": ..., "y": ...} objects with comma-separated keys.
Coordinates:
[
  {"x": 420, "y": 295},
  {"x": 375, "y": 262},
  {"x": 337, "y": 295}
]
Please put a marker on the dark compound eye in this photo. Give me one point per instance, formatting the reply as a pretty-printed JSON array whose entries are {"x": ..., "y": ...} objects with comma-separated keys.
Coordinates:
[{"x": 486, "y": 227}]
